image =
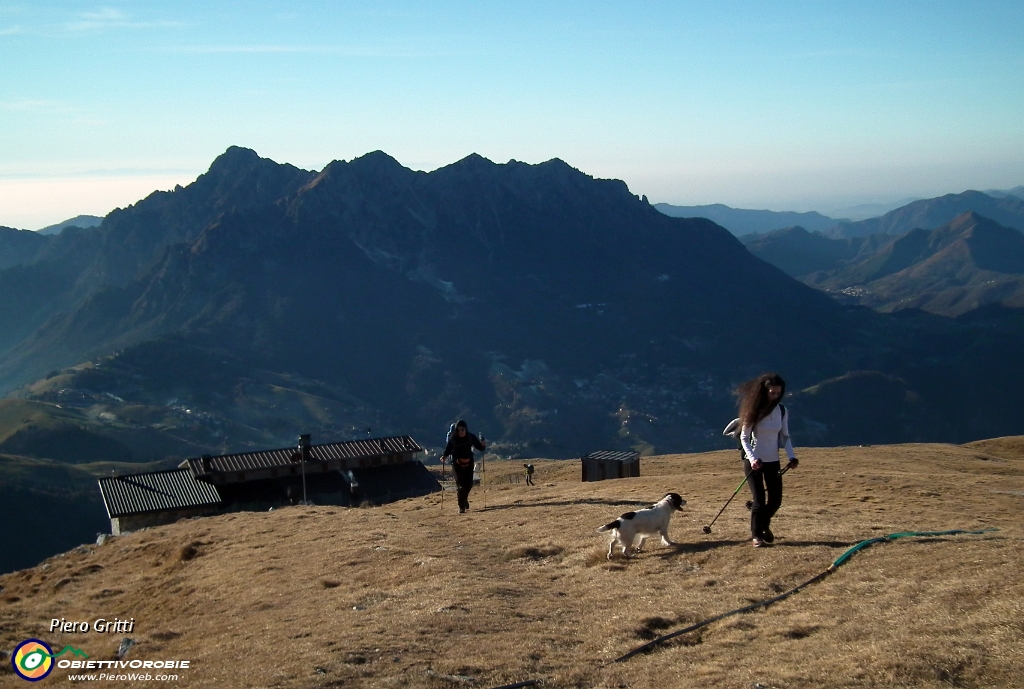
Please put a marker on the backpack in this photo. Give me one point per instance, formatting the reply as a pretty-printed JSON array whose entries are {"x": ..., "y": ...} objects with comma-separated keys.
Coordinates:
[{"x": 735, "y": 427}]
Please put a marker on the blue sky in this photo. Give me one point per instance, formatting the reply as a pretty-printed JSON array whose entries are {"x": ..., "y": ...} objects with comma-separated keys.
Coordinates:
[{"x": 788, "y": 106}]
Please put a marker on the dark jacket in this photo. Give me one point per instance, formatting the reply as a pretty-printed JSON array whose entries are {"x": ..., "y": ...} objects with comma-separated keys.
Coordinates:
[
  {"x": 461, "y": 452},
  {"x": 462, "y": 447}
]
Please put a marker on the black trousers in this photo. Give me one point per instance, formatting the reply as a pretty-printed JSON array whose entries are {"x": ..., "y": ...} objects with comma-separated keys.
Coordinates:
[
  {"x": 766, "y": 489},
  {"x": 465, "y": 483}
]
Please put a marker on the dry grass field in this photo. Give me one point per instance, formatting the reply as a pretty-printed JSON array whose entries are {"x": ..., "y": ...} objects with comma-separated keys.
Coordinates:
[{"x": 413, "y": 594}]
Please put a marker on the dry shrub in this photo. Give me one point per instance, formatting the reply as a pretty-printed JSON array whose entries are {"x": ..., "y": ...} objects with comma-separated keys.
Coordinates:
[
  {"x": 956, "y": 671},
  {"x": 800, "y": 632},
  {"x": 533, "y": 552},
  {"x": 105, "y": 593},
  {"x": 165, "y": 636},
  {"x": 652, "y": 627},
  {"x": 596, "y": 558},
  {"x": 330, "y": 583},
  {"x": 188, "y": 552}
]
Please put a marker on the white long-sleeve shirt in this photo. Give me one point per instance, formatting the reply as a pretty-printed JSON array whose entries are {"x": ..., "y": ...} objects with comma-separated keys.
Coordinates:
[{"x": 763, "y": 443}]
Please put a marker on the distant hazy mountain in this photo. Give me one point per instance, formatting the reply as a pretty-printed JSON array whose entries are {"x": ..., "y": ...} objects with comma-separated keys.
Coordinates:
[
  {"x": 965, "y": 264},
  {"x": 931, "y": 213},
  {"x": 999, "y": 193},
  {"x": 798, "y": 252},
  {"x": 863, "y": 211},
  {"x": 19, "y": 246},
  {"x": 741, "y": 221},
  {"x": 77, "y": 221}
]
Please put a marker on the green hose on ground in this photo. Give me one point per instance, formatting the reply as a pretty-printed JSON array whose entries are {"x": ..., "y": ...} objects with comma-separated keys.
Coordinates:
[{"x": 893, "y": 536}]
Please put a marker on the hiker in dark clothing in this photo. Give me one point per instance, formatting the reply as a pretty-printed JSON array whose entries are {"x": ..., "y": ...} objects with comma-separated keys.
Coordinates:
[
  {"x": 460, "y": 450},
  {"x": 529, "y": 474}
]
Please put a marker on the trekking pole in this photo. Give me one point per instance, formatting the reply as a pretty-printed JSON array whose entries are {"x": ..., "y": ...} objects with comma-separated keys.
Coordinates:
[{"x": 707, "y": 529}]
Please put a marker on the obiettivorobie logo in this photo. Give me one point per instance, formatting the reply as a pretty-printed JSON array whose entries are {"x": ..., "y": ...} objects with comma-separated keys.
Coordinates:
[{"x": 33, "y": 659}]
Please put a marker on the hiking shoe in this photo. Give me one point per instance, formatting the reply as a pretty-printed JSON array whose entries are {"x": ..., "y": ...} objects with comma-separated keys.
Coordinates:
[
  {"x": 758, "y": 543},
  {"x": 767, "y": 536}
]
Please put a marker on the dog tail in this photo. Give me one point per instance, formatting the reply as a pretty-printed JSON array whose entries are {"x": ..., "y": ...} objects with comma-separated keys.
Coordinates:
[{"x": 611, "y": 525}]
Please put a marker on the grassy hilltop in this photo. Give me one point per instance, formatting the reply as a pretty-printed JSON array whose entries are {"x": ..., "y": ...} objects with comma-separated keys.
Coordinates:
[{"x": 415, "y": 595}]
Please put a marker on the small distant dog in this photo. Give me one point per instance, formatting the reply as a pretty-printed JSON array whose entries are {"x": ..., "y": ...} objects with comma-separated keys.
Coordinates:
[{"x": 648, "y": 522}]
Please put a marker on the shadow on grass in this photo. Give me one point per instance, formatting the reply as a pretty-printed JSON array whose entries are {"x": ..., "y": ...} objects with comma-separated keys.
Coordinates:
[
  {"x": 695, "y": 547},
  {"x": 805, "y": 544},
  {"x": 705, "y": 546},
  {"x": 566, "y": 503}
]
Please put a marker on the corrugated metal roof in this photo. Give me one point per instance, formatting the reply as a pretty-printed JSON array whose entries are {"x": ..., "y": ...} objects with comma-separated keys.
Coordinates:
[
  {"x": 366, "y": 448},
  {"x": 265, "y": 459},
  {"x": 156, "y": 491},
  {"x": 613, "y": 455}
]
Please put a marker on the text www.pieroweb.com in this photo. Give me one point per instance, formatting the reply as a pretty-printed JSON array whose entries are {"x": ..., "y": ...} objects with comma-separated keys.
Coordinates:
[{"x": 126, "y": 677}]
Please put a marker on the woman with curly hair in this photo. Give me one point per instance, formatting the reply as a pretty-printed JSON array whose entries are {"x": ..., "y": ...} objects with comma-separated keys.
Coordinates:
[{"x": 765, "y": 429}]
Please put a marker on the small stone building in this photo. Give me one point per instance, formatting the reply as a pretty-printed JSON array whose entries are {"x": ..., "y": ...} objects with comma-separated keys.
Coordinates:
[{"x": 605, "y": 464}]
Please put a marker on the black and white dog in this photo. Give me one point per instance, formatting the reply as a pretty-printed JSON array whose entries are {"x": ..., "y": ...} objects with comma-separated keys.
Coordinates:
[{"x": 644, "y": 523}]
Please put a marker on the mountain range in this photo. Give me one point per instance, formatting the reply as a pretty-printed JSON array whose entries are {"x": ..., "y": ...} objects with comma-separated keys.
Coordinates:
[
  {"x": 1017, "y": 191},
  {"x": 77, "y": 221},
  {"x": 798, "y": 252},
  {"x": 743, "y": 221},
  {"x": 558, "y": 313},
  {"x": 968, "y": 263},
  {"x": 19, "y": 246},
  {"x": 509, "y": 290},
  {"x": 863, "y": 211},
  {"x": 1005, "y": 207},
  {"x": 1007, "y": 210}
]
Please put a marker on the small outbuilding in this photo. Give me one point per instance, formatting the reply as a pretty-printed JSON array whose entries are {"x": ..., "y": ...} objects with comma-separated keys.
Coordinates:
[
  {"x": 605, "y": 464},
  {"x": 136, "y": 501}
]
